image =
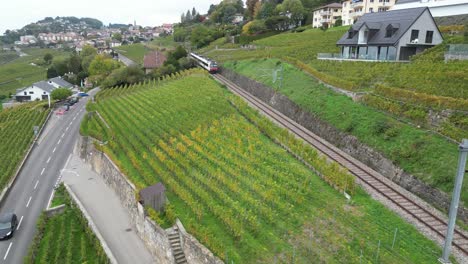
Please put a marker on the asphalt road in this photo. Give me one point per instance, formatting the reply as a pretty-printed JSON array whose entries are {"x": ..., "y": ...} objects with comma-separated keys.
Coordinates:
[
  {"x": 33, "y": 187},
  {"x": 128, "y": 62}
]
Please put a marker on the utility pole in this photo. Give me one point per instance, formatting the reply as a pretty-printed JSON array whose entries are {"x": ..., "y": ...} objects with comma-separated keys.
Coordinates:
[{"x": 463, "y": 149}]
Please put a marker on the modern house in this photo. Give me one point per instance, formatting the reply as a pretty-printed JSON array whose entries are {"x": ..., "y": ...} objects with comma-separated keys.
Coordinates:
[
  {"x": 326, "y": 16},
  {"x": 237, "y": 19},
  {"x": 153, "y": 60},
  {"x": 390, "y": 36},
  {"x": 41, "y": 90},
  {"x": 438, "y": 8},
  {"x": 352, "y": 10}
]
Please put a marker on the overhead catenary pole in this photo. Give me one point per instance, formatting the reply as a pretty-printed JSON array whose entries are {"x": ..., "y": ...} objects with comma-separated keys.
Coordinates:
[{"x": 463, "y": 148}]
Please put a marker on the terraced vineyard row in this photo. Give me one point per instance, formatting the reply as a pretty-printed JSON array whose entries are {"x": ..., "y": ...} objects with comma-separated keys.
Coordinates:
[
  {"x": 65, "y": 238},
  {"x": 16, "y": 130},
  {"x": 238, "y": 192}
]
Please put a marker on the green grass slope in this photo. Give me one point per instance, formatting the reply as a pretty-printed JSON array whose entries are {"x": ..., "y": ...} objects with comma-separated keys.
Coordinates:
[
  {"x": 238, "y": 192},
  {"x": 65, "y": 237},
  {"x": 16, "y": 130},
  {"x": 426, "y": 74},
  {"x": 19, "y": 72},
  {"x": 425, "y": 155}
]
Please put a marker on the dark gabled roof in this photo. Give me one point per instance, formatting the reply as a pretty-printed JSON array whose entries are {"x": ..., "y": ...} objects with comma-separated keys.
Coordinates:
[
  {"x": 44, "y": 86},
  {"x": 399, "y": 19},
  {"x": 61, "y": 82}
]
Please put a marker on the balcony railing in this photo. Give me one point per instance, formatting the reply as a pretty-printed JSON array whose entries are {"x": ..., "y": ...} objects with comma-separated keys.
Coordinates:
[
  {"x": 325, "y": 13},
  {"x": 357, "y": 4}
]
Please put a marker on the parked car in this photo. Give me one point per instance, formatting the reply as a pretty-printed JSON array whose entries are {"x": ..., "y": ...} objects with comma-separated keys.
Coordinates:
[
  {"x": 8, "y": 224},
  {"x": 83, "y": 94}
]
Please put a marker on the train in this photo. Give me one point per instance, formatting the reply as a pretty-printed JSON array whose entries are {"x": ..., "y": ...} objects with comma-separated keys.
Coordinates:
[{"x": 205, "y": 63}]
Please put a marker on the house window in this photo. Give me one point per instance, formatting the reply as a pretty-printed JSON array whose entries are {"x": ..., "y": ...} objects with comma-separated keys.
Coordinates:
[
  {"x": 350, "y": 34},
  {"x": 31, "y": 92},
  {"x": 336, "y": 10},
  {"x": 414, "y": 36},
  {"x": 429, "y": 35},
  {"x": 44, "y": 92},
  {"x": 25, "y": 93},
  {"x": 371, "y": 10},
  {"x": 372, "y": 1}
]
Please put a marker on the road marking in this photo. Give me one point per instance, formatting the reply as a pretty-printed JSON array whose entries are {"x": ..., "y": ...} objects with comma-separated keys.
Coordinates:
[
  {"x": 8, "y": 250},
  {"x": 48, "y": 159},
  {"x": 54, "y": 150},
  {"x": 74, "y": 118},
  {"x": 42, "y": 172},
  {"x": 50, "y": 198},
  {"x": 21, "y": 220},
  {"x": 27, "y": 205},
  {"x": 71, "y": 123},
  {"x": 67, "y": 128},
  {"x": 63, "y": 135},
  {"x": 35, "y": 186},
  {"x": 58, "y": 143}
]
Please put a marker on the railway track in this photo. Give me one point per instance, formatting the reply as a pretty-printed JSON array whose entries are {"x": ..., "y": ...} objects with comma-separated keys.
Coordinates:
[{"x": 368, "y": 176}]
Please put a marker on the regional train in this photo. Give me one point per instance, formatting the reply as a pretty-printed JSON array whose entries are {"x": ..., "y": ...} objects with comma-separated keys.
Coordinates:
[{"x": 205, "y": 63}]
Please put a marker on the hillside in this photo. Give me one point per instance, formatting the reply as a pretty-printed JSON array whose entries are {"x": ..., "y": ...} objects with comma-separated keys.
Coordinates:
[
  {"x": 237, "y": 191},
  {"x": 16, "y": 128},
  {"x": 136, "y": 52},
  {"x": 426, "y": 74},
  {"x": 19, "y": 72}
]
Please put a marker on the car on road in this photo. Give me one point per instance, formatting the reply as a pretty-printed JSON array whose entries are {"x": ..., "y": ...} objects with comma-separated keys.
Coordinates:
[
  {"x": 83, "y": 94},
  {"x": 8, "y": 224}
]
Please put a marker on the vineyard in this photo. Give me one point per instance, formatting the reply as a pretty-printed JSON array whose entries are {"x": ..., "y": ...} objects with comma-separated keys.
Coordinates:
[
  {"x": 16, "y": 130},
  {"x": 65, "y": 238},
  {"x": 20, "y": 72},
  {"x": 234, "y": 187},
  {"x": 425, "y": 155},
  {"x": 427, "y": 74}
]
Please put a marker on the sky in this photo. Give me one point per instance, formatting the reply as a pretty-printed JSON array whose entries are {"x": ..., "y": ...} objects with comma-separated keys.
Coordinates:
[{"x": 17, "y": 13}]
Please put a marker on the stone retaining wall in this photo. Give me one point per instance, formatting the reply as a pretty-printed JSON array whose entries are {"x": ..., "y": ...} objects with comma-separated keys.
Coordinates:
[
  {"x": 348, "y": 143},
  {"x": 155, "y": 238}
]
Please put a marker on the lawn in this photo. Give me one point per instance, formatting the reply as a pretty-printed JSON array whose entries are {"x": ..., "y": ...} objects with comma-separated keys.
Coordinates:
[
  {"x": 65, "y": 237},
  {"x": 233, "y": 187},
  {"x": 429, "y": 157},
  {"x": 135, "y": 52},
  {"x": 24, "y": 71}
]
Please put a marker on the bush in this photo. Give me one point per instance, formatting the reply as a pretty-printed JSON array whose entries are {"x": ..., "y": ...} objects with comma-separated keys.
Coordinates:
[{"x": 61, "y": 94}]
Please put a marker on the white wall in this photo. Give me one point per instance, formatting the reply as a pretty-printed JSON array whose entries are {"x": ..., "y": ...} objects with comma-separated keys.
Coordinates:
[
  {"x": 33, "y": 91},
  {"x": 439, "y": 8},
  {"x": 423, "y": 24}
]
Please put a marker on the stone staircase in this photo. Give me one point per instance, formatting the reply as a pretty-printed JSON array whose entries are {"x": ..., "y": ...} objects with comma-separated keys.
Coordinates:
[{"x": 177, "y": 251}]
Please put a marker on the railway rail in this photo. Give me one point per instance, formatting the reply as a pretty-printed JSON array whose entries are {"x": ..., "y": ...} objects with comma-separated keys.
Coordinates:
[{"x": 368, "y": 176}]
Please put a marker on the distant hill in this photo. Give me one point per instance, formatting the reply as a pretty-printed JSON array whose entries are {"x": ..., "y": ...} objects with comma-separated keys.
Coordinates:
[{"x": 52, "y": 25}]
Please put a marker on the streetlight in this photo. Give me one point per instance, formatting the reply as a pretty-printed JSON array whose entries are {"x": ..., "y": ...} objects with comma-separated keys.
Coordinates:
[{"x": 463, "y": 148}]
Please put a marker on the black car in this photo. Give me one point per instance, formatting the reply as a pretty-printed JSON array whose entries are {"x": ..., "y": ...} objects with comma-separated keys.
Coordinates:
[{"x": 8, "y": 224}]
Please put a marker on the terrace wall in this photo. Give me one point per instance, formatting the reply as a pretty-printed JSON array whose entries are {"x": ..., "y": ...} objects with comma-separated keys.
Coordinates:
[{"x": 345, "y": 142}]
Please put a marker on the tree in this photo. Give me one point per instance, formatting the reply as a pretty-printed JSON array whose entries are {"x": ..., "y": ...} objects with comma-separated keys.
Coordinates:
[
  {"x": 48, "y": 58},
  {"x": 101, "y": 66},
  {"x": 188, "y": 16},
  {"x": 251, "y": 4},
  {"x": 117, "y": 36},
  {"x": 194, "y": 13},
  {"x": 338, "y": 22},
  {"x": 294, "y": 8},
  {"x": 124, "y": 75},
  {"x": 51, "y": 73},
  {"x": 60, "y": 94}
]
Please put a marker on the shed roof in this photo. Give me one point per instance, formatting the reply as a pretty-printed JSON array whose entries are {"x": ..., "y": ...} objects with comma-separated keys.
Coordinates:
[
  {"x": 148, "y": 192},
  {"x": 154, "y": 60},
  {"x": 400, "y": 19}
]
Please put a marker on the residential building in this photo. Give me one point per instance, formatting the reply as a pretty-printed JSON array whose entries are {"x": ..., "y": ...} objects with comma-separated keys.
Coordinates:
[
  {"x": 237, "y": 19},
  {"x": 41, "y": 90},
  {"x": 390, "y": 36},
  {"x": 326, "y": 16},
  {"x": 153, "y": 60},
  {"x": 438, "y": 8},
  {"x": 352, "y": 10}
]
